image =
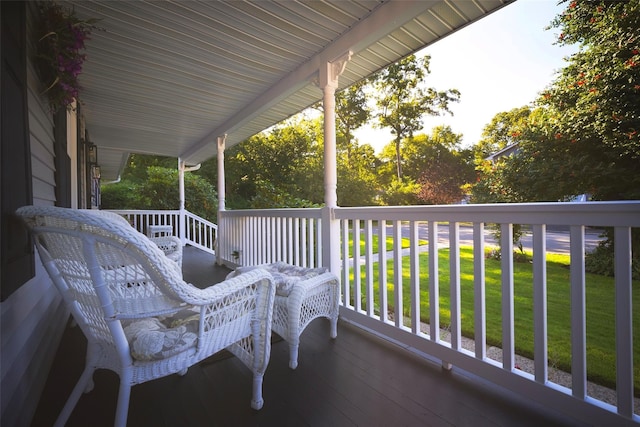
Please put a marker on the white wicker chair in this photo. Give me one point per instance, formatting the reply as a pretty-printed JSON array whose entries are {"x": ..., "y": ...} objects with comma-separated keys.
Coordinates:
[
  {"x": 302, "y": 295},
  {"x": 123, "y": 292}
]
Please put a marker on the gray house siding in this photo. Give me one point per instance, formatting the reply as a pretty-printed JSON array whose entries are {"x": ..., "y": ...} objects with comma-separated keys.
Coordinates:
[{"x": 33, "y": 318}]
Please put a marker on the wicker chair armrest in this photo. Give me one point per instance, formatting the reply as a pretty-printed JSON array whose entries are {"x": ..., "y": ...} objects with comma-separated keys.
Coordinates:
[
  {"x": 215, "y": 293},
  {"x": 315, "y": 285},
  {"x": 236, "y": 305},
  {"x": 158, "y": 305},
  {"x": 321, "y": 279}
]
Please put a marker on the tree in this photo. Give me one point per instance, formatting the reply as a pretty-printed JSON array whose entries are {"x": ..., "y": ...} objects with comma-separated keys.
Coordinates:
[
  {"x": 357, "y": 178},
  {"x": 270, "y": 197},
  {"x": 121, "y": 195},
  {"x": 436, "y": 165},
  {"x": 420, "y": 150},
  {"x": 584, "y": 135},
  {"x": 592, "y": 128},
  {"x": 505, "y": 129},
  {"x": 279, "y": 157},
  {"x": 158, "y": 189},
  {"x": 440, "y": 166},
  {"x": 400, "y": 192},
  {"x": 356, "y": 166},
  {"x": 137, "y": 165},
  {"x": 351, "y": 113},
  {"x": 402, "y": 100},
  {"x": 493, "y": 185}
]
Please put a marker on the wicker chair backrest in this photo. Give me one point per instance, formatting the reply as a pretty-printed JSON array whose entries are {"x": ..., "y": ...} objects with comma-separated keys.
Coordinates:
[{"x": 103, "y": 262}]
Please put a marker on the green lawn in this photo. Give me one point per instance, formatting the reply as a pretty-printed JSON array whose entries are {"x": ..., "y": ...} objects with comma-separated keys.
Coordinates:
[
  {"x": 599, "y": 299},
  {"x": 375, "y": 244}
]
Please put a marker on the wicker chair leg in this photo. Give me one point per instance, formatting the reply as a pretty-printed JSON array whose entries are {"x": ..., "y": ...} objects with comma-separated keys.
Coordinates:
[
  {"x": 122, "y": 410},
  {"x": 256, "y": 400},
  {"x": 89, "y": 386},
  {"x": 293, "y": 353},
  {"x": 334, "y": 326},
  {"x": 85, "y": 380}
]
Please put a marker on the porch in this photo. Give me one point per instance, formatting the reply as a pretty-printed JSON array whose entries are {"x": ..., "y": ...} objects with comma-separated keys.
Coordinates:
[
  {"x": 355, "y": 380},
  {"x": 427, "y": 288},
  {"x": 364, "y": 378}
]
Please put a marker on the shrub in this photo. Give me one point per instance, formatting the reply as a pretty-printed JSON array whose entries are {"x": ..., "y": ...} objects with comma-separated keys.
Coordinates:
[
  {"x": 121, "y": 195},
  {"x": 601, "y": 260}
]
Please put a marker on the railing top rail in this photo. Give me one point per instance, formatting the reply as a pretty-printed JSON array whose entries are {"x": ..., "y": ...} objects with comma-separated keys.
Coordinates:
[
  {"x": 624, "y": 213},
  {"x": 288, "y": 212},
  {"x": 147, "y": 211},
  {"x": 199, "y": 218}
]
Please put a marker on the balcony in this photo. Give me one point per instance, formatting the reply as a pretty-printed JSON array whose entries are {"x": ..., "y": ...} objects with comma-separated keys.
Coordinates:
[{"x": 385, "y": 368}]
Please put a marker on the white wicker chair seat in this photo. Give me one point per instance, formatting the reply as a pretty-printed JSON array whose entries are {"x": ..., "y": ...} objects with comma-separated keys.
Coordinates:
[
  {"x": 140, "y": 318},
  {"x": 302, "y": 295}
]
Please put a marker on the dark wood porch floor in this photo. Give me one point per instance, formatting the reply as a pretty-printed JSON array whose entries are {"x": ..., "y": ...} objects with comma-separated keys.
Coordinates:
[{"x": 355, "y": 380}]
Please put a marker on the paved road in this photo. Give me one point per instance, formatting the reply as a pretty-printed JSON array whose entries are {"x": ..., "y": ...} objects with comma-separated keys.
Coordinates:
[{"x": 557, "y": 241}]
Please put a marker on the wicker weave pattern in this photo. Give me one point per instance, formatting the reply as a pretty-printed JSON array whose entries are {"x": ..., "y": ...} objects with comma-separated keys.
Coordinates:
[
  {"x": 107, "y": 272},
  {"x": 170, "y": 245},
  {"x": 313, "y": 297}
]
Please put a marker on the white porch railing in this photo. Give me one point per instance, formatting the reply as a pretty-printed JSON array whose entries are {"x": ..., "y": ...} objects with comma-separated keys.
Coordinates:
[
  {"x": 191, "y": 229},
  {"x": 254, "y": 237},
  {"x": 199, "y": 232},
  {"x": 295, "y": 236}
]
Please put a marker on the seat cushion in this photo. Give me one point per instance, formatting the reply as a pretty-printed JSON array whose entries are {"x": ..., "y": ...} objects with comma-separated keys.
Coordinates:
[
  {"x": 285, "y": 276},
  {"x": 156, "y": 338}
]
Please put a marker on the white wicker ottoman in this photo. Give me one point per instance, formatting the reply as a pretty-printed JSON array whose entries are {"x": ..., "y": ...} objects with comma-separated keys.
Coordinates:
[{"x": 302, "y": 295}]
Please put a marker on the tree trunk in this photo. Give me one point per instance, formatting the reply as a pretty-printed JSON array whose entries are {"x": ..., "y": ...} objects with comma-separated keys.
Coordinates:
[{"x": 398, "y": 159}]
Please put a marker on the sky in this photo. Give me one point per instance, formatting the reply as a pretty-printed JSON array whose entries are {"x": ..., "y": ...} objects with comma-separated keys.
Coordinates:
[{"x": 498, "y": 63}]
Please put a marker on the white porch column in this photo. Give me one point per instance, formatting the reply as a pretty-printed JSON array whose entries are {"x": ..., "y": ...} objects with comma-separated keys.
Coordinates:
[
  {"x": 221, "y": 188},
  {"x": 181, "y": 219},
  {"x": 221, "y": 194},
  {"x": 182, "y": 168},
  {"x": 328, "y": 82}
]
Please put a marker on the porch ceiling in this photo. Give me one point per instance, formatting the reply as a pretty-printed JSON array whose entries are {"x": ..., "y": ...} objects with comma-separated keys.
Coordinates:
[{"x": 167, "y": 77}]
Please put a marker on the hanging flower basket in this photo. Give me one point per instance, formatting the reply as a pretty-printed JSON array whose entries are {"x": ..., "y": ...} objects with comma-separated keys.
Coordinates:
[{"x": 60, "y": 53}]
